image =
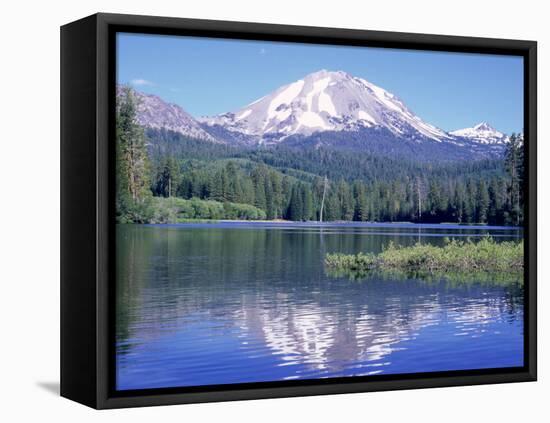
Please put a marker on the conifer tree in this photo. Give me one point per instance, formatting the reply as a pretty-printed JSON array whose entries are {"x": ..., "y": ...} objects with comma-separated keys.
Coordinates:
[
  {"x": 307, "y": 202},
  {"x": 483, "y": 202},
  {"x": 132, "y": 162},
  {"x": 514, "y": 167},
  {"x": 295, "y": 208},
  {"x": 361, "y": 209}
]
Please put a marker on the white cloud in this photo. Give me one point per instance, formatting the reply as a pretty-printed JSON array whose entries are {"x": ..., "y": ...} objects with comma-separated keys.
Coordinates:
[
  {"x": 263, "y": 51},
  {"x": 141, "y": 82}
]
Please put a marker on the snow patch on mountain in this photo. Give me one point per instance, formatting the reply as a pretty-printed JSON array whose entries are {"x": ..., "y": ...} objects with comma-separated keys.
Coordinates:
[
  {"x": 482, "y": 133},
  {"x": 325, "y": 101},
  {"x": 244, "y": 114}
]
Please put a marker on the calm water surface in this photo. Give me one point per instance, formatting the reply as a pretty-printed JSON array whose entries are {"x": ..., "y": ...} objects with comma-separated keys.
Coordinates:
[{"x": 203, "y": 304}]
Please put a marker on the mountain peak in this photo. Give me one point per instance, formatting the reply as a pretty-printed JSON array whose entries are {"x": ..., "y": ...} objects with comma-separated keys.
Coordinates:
[
  {"x": 484, "y": 126},
  {"x": 324, "y": 73},
  {"x": 153, "y": 112},
  {"x": 482, "y": 133},
  {"x": 326, "y": 101}
]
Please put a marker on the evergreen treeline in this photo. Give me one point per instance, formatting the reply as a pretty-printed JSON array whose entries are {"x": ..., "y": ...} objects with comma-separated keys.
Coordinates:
[{"x": 290, "y": 183}]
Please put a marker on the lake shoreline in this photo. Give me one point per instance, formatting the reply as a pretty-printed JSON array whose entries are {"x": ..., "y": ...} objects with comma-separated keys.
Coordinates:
[{"x": 282, "y": 223}]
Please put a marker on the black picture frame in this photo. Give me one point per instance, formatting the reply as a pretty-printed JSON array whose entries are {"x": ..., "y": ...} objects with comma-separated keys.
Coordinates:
[{"x": 87, "y": 201}]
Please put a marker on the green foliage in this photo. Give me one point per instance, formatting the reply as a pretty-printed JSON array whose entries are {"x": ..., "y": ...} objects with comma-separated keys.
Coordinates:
[
  {"x": 485, "y": 254},
  {"x": 360, "y": 213},
  {"x": 175, "y": 210},
  {"x": 451, "y": 278},
  {"x": 287, "y": 183},
  {"x": 483, "y": 202},
  {"x": 234, "y": 211},
  {"x": 133, "y": 195},
  {"x": 459, "y": 257},
  {"x": 515, "y": 168},
  {"x": 168, "y": 177},
  {"x": 361, "y": 261}
]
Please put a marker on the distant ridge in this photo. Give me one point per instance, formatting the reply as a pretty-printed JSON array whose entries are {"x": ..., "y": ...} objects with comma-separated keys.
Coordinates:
[{"x": 332, "y": 109}]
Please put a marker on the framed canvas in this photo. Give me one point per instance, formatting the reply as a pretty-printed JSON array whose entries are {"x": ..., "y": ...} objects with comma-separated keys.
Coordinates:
[{"x": 258, "y": 211}]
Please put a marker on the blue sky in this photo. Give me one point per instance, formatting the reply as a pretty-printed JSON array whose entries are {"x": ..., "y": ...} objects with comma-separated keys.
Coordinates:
[{"x": 209, "y": 76}]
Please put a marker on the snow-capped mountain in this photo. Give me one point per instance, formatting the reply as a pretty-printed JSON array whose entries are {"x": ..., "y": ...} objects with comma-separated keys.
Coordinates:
[
  {"x": 153, "y": 112},
  {"x": 482, "y": 133},
  {"x": 325, "y": 101},
  {"x": 328, "y": 109}
]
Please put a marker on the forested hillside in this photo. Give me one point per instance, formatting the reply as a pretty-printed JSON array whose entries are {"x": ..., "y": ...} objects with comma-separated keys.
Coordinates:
[{"x": 164, "y": 176}]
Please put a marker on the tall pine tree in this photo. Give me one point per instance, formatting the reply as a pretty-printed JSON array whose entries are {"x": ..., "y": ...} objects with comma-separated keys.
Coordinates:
[{"x": 132, "y": 161}]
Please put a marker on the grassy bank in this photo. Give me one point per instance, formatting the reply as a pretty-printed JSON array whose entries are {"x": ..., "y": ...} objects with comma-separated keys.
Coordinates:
[
  {"x": 178, "y": 210},
  {"x": 455, "y": 257}
]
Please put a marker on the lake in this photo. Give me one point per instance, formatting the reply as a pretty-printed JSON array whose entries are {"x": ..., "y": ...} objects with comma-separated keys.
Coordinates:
[{"x": 230, "y": 302}]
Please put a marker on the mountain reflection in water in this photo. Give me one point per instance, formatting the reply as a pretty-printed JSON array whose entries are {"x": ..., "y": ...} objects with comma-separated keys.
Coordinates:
[{"x": 217, "y": 304}]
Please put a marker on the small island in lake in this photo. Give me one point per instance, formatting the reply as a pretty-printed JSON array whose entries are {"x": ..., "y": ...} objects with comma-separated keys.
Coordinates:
[{"x": 466, "y": 259}]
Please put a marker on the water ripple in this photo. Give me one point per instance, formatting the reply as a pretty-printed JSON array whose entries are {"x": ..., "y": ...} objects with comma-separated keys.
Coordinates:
[{"x": 200, "y": 306}]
